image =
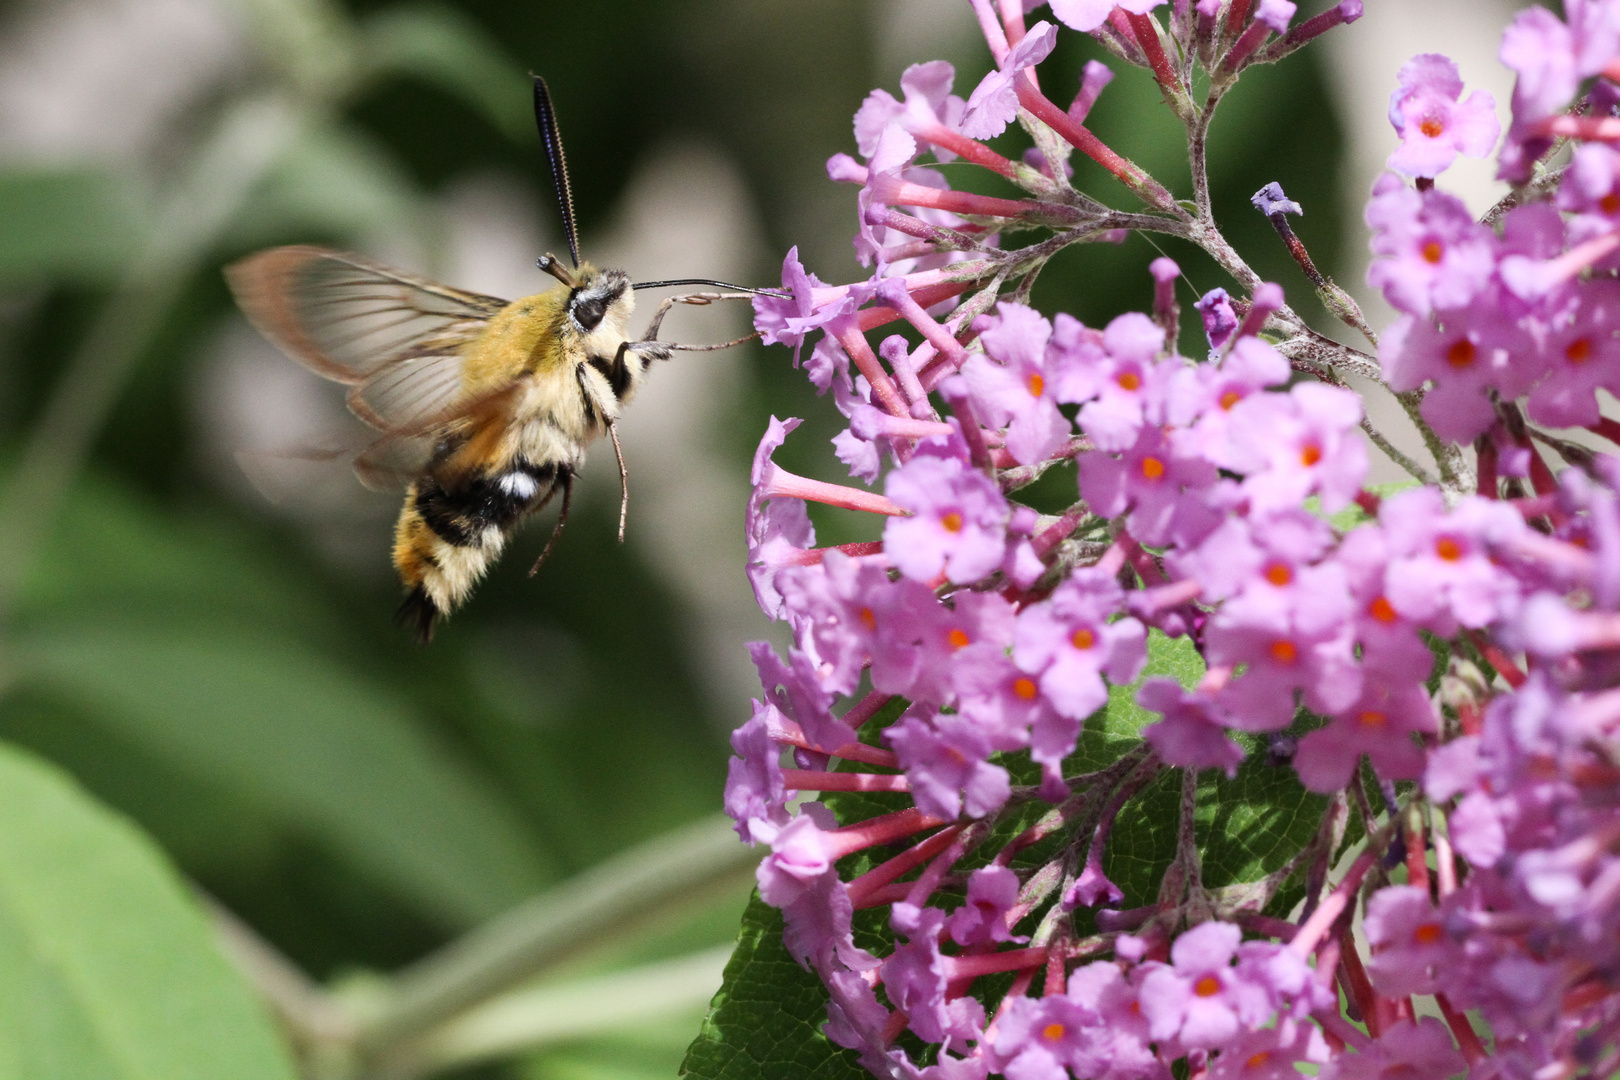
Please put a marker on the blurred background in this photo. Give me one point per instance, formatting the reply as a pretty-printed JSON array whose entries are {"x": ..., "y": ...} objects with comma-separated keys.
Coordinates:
[{"x": 196, "y": 617}]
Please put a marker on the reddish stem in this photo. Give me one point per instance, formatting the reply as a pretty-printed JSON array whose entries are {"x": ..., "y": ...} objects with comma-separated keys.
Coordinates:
[
  {"x": 1417, "y": 855},
  {"x": 862, "y": 889},
  {"x": 813, "y": 556},
  {"x": 1541, "y": 477},
  {"x": 868, "y": 707},
  {"x": 869, "y": 318},
  {"x": 789, "y": 734},
  {"x": 1373, "y": 1011},
  {"x": 1333, "y": 905},
  {"x": 781, "y": 484},
  {"x": 965, "y": 148},
  {"x": 1077, "y": 136},
  {"x": 884, "y": 829},
  {"x": 963, "y": 967},
  {"x": 1146, "y": 32},
  {"x": 1497, "y": 657},
  {"x": 1461, "y": 1030},
  {"x": 1485, "y": 455},
  {"x": 893, "y": 191},
  {"x": 812, "y": 780},
  {"x": 1608, "y": 428},
  {"x": 1601, "y": 128},
  {"x": 1235, "y": 16},
  {"x": 849, "y": 335}
]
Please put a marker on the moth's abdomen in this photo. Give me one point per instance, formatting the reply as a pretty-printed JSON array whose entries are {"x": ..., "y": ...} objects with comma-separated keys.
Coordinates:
[{"x": 446, "y": 537}]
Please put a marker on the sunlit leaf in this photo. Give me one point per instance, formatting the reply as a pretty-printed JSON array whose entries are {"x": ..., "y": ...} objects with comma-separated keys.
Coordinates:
[
  {"x": 107, "y": 969},
  {"x": 301, "y": 738}
]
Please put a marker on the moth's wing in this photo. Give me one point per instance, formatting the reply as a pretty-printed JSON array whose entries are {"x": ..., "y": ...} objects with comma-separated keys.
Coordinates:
[
  {"x": 396, "y": 338},
  {"x": 451, "y": 443}
]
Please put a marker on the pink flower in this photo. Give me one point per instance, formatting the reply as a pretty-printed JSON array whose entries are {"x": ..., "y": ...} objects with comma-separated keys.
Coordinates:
[
  {"x": 1070, "y": 642},
  {"x": 1431, "y": 253},
  {"x": 1434, "y": 124},
  {"x": 1087, "y": 15},
  {"x": 1012, "y": 386},
  {"x": 994, "y": 103},
  {"x": 958, "y": 522}
]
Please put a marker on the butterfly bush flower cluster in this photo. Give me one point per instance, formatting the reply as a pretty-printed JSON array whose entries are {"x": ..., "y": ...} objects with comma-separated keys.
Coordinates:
[{"x": 1437, "y": 663}]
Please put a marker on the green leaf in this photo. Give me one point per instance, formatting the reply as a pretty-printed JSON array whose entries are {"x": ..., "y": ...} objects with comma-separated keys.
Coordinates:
[
  {"x": 289, "y": 731},
  {"x": 765, "y": 1021},
  {"x": 107, "y": 969},
  {"x": 77, "y": 224},
  {"x": 440, "y": 45}
]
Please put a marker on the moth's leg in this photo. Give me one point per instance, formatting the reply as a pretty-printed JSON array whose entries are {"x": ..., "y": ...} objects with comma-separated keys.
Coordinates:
[
  {"x": 565, "y": 480},
  {"x": 697, "y": 300},
  {"x": 624, "y": 477}
]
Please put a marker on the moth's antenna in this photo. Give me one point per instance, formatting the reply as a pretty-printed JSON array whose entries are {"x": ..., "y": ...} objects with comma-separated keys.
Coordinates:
[{"x": 545, "y": 117}]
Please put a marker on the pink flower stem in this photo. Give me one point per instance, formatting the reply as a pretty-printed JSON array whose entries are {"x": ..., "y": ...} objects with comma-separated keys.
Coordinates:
[
  {"x": 1235, "y": 16},
  {"x": 1347, "y": 11},
  {"x": 862, "y": 888},
  {"x": 1140, "y": 560},
  {"x": 995, "y": 35},
  {"x": 1597, "y": 128},
  {"x": 1608, "y": 428},
  {"x": 849, "y": 335},
  {"x": 1445, "y": 867},
  {"x": 1486, "y": 459},
  {"x": 1498, "y": 658},
  {"x": 937, "y": 868},
  {"x": 868, "y": 707},
  {"x": 789, "y": 734},
  {"x": 1334, "y": 904},
  {"x": 1048, "y": 539},
  {"x": 813, "y": 556},
  {"x": 884, "y": 829},
  {"x": 963, "y": 147},
  {"x": 959, "y": 274},
  {"x": 1242, "y": 49},
  {"x": 1373, "y": 1011},
  {"x": 1281, "y": 929},
  {"x": 1337, "y": 1029},
  {"x": 1473, "y": 1051},
  {"x": 972, "y": 433},
  {"x": 927, "y": 296},
  {"x": 1012, "y": 20},
  {"x": 965, "y": 967},
  {"x": 896, "y": 1024},
  {"x": 781, "y": 484},
  {"x": 1054, "y": 973},
  {"x": 929, "y": 327},
  {"x": 1079, "y": 137},
  {"x": 1417, "y": 851},
  {"x": 1146, "y": 32},
  {"x": 812, "y": 780},
  {"x": 893, "y": 191}
]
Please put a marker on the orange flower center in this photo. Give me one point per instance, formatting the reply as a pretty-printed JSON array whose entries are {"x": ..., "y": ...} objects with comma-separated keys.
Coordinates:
[
  {"x": 1579, "y": 351},
  {"x": 1083, "y": 638},
  {"x": 1257, "y": 1059},
  {"x": 1432, "y": 128},
  {"x": 1462, "y": 353},
  {"x": 1382, "y": 610},
  {"x": 1448, "y": 549},
  {"x": 1053, "y": 1032},
  {"x": 1279, "y": 574},
  {"x": 1208, "y": 986},
  {"x": 1284, "y": 651},
  {"x": 1036, "y": 384},
  {"x": 952, "y": 522},
  {"x": 1372, "y": 718},
  {"x": 1427, "y": 934},
  {"x": 1310, "y": 454},
  {"x": 958, "y": 638},
  {"x": 1129, "y": 380},
  {"x": 1024, "y": 687},
  {"x": 1152, "y": 468},
  {"x": 868, "y": 618},
  {"x": 1229, "y": 399},
  {"x": 1433, "y": 251},
  {"x": 1610, "y": 203}
]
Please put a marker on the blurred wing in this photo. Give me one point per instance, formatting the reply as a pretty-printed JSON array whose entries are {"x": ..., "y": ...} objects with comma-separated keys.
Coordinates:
[
  {"x": 451, "y": 443},
  {"x": 397, "y": 339}
]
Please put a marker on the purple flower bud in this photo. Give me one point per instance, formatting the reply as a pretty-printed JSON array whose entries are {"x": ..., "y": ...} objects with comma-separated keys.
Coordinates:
[{"x": 1270, "y": 200}]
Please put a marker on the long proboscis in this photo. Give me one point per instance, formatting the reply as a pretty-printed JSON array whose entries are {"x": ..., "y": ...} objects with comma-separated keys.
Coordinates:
[{"x": 673, "y": 282}]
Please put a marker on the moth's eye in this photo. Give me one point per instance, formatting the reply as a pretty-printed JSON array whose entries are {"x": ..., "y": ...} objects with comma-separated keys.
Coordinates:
[{"x": 588, "y": 311}]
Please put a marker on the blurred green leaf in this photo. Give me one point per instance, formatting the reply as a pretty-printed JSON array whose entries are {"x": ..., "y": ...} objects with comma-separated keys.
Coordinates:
[
  {"x": 441, "y": 46},
  {"x": 78, "y": 224},
  {"x": 107, "y": 970},
  {"x": 334, "y": 181},
  {"x": 286, "y": 729}
]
